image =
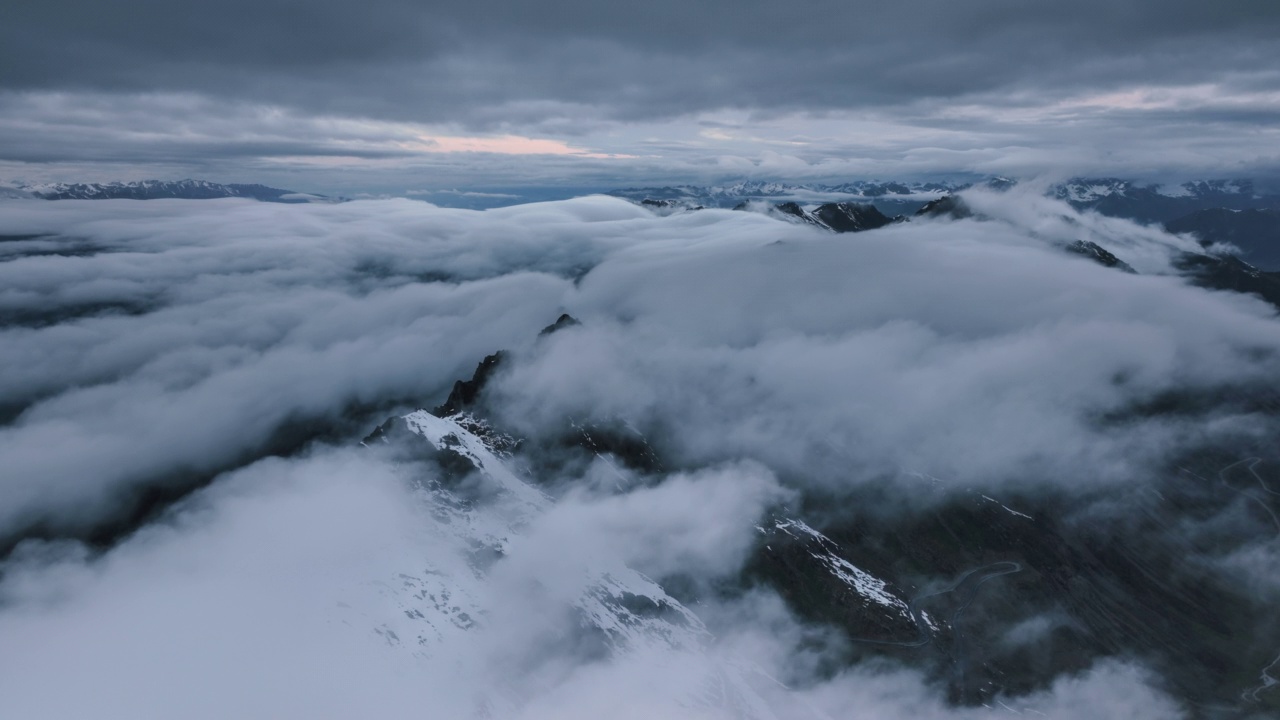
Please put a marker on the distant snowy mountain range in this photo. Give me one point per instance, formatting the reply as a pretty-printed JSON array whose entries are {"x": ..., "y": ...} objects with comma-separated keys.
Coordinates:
[
  {"x": 1215, "y": 211},
  {"x": 729, "y": 195},
  {"x": 155, "y": 190},
  {"x": 1156, "y": 203},
  {"x": 733, "y": 194},
  {"x": 1230, "y": 211},
  {"x": 1111, "y": 196}
]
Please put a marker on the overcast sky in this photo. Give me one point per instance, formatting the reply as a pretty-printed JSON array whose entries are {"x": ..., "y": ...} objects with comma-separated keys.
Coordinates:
[{"x": 402, "y": 96}]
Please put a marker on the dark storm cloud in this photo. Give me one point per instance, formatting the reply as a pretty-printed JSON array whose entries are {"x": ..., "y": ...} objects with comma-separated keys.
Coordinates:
[
  {"x": 101, "y": 128},
  {"x": 486, "y": 62},
  {"x": 339, "y": 98}
]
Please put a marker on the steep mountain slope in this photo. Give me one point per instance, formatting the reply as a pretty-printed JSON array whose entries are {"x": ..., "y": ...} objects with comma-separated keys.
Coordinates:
[
  {"x": 1256, "y": 232},
  {"x": 851, "y": 217},
  {"x": 1153, "y": 203},
  {"x": 990, "y": 596},
  {"x": 842, "y": 217},
  {"x": 485, "y": 506},
  {"x": 1229, "y": 273}
]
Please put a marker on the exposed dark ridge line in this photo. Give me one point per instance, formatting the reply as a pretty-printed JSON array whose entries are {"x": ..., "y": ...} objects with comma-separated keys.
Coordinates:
[
  {"x": 564, "y": 321},
  {"x": 466, "y": 393}
]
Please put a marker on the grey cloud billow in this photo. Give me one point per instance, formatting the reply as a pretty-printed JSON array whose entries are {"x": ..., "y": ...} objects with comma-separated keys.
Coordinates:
[
  {"x": 968, "y": 351},
  {"x": 763, "y": 357},
  {"x": 255, "y": 597},
  {"x": 245, "y": 327},
  {"x": 477, "y": 62}
]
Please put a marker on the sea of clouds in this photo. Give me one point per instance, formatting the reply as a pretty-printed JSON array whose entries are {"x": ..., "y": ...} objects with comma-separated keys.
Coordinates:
[{"x": 168, "y": 346}]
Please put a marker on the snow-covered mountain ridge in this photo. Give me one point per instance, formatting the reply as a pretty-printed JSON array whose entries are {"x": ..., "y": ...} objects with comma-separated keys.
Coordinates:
[
  {"x": 969, "y": 448},
  {"x": 155, "y": 190},
  {"x": 438, "y": 606},
  {"x": 1111, "y": 196},
  {"x": 732, "y": 194}
]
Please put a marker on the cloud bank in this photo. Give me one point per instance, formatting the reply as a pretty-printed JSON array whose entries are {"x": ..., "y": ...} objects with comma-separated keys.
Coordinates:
[
  {"x": 256, "y": 598},
  {"x": 153, "y": 347}
]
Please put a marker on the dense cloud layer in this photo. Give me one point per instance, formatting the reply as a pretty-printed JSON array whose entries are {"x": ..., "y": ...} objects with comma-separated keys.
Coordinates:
[
  {"x": 977, "y": 352},
  {"x": 160, "y": 344},
  {"x": 208, "y": 326},
  {"x": 406, "y": 60},
  {"x": 256, "y": 599}
]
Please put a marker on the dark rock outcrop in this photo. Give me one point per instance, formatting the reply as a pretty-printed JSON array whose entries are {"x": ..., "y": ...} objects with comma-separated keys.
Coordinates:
[
  {"x": 951, "y": 206},
  {"x": 1255, "y": 231},
  {"x": 465, "y": 393},
  {"x": 1099, "y": 254},
  {"x": 851, "y": 217}
]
